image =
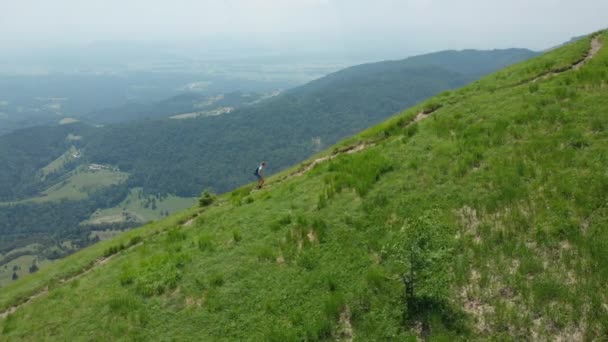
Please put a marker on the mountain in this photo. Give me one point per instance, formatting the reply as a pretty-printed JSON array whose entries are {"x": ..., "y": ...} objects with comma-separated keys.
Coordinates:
[
  {"x": 86, "y": 183},
  {"x": 170, "y": 156},
  {"x": 480, "y": 213}
]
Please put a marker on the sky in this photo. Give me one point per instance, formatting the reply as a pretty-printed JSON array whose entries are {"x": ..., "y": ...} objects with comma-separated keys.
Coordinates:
[{"x": 412, "y": 25}]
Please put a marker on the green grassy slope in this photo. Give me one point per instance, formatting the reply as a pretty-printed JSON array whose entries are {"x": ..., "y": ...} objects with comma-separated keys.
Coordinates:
[{"x": 502, "y": 191}]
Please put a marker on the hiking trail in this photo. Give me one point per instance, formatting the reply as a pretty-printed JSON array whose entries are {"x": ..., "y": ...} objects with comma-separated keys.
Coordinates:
[{"x": 596, "y": 46}]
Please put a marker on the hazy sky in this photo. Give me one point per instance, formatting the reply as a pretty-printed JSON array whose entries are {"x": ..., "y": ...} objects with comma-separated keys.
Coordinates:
[{"x": 422, "y": 25}]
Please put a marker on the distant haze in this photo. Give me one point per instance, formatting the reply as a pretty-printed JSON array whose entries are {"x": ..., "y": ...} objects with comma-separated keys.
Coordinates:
[{"x": 386, "y": 28}]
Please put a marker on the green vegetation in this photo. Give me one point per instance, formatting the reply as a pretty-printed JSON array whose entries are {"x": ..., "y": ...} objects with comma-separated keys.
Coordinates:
[
  {"x": 216, "y": 152},
  {"x": 140, "y": 208},
  {"x": 60, "y": 163},
  {"x": 486, "y": 220},
  {"x": 77, "y": 185},
  {"x": 52, "y": 200}
]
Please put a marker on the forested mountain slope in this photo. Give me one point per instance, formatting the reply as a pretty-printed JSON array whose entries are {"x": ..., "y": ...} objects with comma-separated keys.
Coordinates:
[{"x": 478, "y": 214}]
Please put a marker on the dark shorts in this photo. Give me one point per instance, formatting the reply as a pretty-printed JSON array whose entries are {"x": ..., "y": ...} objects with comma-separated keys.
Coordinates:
[{"x": 258, "y": 176}]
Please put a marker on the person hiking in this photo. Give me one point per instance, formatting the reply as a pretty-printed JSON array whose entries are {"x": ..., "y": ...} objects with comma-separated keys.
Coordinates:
[{"x": 259, "y": 172}]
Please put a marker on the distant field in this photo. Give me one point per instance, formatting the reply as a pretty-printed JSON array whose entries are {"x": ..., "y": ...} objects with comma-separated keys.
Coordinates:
[
  {"x": 59, "y": 163},
  {"x": 134, "y": 207},
  {"x": 78, "y": 185},
  {"x": 23, "y": 264}
]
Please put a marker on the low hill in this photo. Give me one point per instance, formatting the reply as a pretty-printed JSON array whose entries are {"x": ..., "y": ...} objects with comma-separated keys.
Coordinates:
[{"x": 478, "y": 214}]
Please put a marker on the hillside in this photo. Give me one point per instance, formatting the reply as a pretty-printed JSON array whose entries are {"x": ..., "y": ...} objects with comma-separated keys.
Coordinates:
[
  {"x": 286, "y": 128},
  {"x": 55, "y": 199},
  {"x": 481, "y": 212}
]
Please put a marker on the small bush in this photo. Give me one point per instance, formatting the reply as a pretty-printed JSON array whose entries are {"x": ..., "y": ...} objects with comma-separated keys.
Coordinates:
[
  {"x": 280, "y": 223},
  {"x": 206, "y": 199},
  {"x": 285, "y": 220},
  {"x": 265, "y": 253},
  {"x": 124, "y": 305},
  {"x": 430, "y": 107},
  {"x": 9, "y": 324},
  {"x": 375, "y": 279},
  {"x": 533, "y": 87},
  {"x": 334, "y": 306},
  {"x": 309, "y": 260},
  {"x": 113, "y": 250},
  {"x": 322, "y": 202},
  {"x": 331, "y": 282},
  {"x": 205, "y": 242},
  {"x": 127, "y": 276},
  {"x": 175, "y": 235},
  {"x": 318, "y": 330},
  {"x": 411, "y": 130},
  {"x": 236, "y": 236},
  {"x": 320, "y": 228},
  {"x": 216, "y": 279},
  {"x": 135, "y": 240},
  {"x": 157, "y": 275}
]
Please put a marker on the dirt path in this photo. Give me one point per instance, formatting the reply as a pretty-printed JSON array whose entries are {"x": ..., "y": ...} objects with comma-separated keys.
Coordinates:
[
  {"x": 596, "y": 46},
  {"x": 350, "y": 149},
  {"x": 347, "y": 150}
]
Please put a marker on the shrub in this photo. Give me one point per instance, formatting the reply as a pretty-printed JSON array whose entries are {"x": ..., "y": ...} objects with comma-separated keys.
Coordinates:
[
  {"x": 330, "y": 281},
  {"x": 205, "y": 242},
  {"x": 124, "y": 305},
  {"x": 375, "y": 279},
  {"x": 206, "y": 199},
  {"x": 333, "y": 306},
  {"x": 322, "y": 202},
  {"x": 127, "y": 276},
  {"x": 431, "y": 106},
  {"x": 113, "y": 250},
  {"x": 236, "y": 236},
  {"x": 175, "y": 235},
  {"x": 419, "y": 254},
  {"x": 265, "y": 253},
  {"x": 135, "y": 240},
  {"x": 308, "y": 259},
  {"x": 285, "y": 220},
  {"x": 216, "y": 279},
  {"x": 157, "y": 275},
  {"x": 318, "y": 330},
  {"x": 280, "y": 223},
  {"x": 320, "y": 228}
]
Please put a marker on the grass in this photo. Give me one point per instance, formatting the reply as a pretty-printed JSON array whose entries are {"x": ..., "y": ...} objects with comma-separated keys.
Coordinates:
[
  {"x": 59, "y": 163},
  {"x": 516, "y": 179}
]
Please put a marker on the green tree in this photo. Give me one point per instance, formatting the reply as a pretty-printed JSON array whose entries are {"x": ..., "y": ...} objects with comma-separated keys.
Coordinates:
[{"x": 419, "y": 255}]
